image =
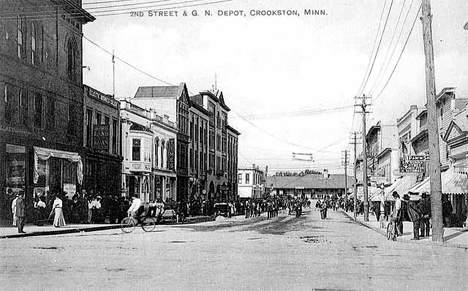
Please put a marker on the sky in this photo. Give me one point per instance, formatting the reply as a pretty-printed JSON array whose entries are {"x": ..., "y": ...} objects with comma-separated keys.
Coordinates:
[{"x": 290, "y": 81}]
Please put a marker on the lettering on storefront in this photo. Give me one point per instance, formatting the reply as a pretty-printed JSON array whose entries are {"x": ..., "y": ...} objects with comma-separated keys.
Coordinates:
[
  {"x": 171, "y": 154},
  {"x": 101, "y": 137},
  {"x": 413, "y": 164},
  {"x": 103, "y": 97}
]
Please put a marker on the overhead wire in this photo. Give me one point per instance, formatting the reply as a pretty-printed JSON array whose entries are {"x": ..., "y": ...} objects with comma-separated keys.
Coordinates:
[
  {"x": 399, "y": 57},
  {"x": 378, "y": 48},
  {"x": 373, "y": 49},
  {"x": 386, "y": 59},
  {"x": 51, "y": 14}
]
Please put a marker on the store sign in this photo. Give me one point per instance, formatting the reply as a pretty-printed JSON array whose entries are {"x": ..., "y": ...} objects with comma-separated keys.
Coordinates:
[
  {"x": 101, "y": 137},
  {"x": 171, "y": 154},
  {"x": 413, "y": 164}
]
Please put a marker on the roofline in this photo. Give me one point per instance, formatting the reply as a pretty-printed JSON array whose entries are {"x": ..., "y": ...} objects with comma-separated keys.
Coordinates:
[
  {"x": 466, "y": 26},
  {"x": 421, "y": 113},
  {"x": 233, "y": 129},
  {"x": 444, "y": 92},
  {"x": 199, "y": 107},
  {"x": 77, "y": 11},
  {"x": 383, "y": 152},
  {"x": 419, "y": 135}
]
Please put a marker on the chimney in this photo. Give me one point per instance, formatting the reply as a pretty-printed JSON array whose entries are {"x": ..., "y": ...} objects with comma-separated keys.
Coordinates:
[
  {"x": 325, "y": 174},
  {"x": 253, "y": 166}
]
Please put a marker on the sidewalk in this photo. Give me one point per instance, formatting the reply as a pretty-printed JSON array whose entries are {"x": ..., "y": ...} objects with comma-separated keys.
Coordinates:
[
  {"x": 453, "y": 237},
  {"x": 34, "y": 230}
]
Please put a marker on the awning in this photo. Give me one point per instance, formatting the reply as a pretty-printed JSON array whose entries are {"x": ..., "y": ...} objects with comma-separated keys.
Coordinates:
[
  {"x": 45, "y": 154},
  {"x": 401, "y": 186},
  {"x": 461, "y": 166},
  {"x": 452, "y": 183}
]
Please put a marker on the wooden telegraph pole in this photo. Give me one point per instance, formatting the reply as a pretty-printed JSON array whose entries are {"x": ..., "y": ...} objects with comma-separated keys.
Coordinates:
[
  {"x": 363, "y": 106},
  {"x": 345, "y": 163},
  {"x": 433, "y": 131},
  {"x": 355, "y": 142}
]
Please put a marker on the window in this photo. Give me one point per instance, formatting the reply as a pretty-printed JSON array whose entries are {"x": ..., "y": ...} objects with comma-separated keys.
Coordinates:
[
  {"x": 33, "y": 44},
  {"x": 89, "y": 127},
  {"x": 162, "y": 153},
  {"x": 8, "y": 101},
  {"x": 136, "y": 149},
  {"x": 51, "y": 115},
  {"x": 114, "y": 136},
  {"x": 20, "y": 38},
  {"x": 247, "y": 178},
  {"x": 38, "y": 110},
  {"x": 106, "y": 120},
  {"x": 156, "y": 152},
  {"x": 98, "y": 118},
  {"x": 71, "y": 128},
  {"x": 239, "y": 177},
  {"x": 23, "y": 103},
  {"x": 72, "y": 51},
  {"x": 147, "y": 152}
]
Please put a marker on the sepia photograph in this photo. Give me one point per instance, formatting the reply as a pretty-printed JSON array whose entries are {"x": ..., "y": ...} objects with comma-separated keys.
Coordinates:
[{"x": 234, "y": 145}]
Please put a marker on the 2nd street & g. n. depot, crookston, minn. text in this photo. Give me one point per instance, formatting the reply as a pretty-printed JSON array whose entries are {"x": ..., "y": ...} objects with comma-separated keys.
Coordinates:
[{"x": 229, "y": 13}]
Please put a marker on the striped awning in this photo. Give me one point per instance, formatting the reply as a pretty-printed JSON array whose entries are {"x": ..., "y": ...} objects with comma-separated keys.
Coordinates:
[
  {"x": 401, "y": 186},
  {"x": 452, "y": 183}
]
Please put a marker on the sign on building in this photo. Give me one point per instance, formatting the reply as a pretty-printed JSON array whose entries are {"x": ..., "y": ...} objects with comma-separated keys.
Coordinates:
[
  {"x": 413, "y": 164},
  {"x": 101, "y": 137},
  {"x": 171, "y": 154}
]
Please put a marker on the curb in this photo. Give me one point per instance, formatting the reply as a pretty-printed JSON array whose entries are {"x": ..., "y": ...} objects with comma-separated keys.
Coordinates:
[
  {"x": 97, "y": 228},
  {"x": 420, "y": 242},
  {"x": 57, "y": 232}
]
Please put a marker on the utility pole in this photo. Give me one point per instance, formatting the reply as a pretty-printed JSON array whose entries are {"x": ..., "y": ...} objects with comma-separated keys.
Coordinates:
[
  {"x": 113, "y": 74},
  {"x": 433, "y": 132},
  {"x": 363, "y": 111},
  {"x": 355, "y": 142},
  {"x": 345, "y": 163}
]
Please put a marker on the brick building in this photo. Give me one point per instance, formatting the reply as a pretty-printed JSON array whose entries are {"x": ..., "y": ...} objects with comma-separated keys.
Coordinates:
[{"x": 41, "y": 104}]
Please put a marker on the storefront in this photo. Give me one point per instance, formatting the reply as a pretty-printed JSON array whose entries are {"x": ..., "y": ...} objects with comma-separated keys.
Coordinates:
[{"x": 38, "y": 172}]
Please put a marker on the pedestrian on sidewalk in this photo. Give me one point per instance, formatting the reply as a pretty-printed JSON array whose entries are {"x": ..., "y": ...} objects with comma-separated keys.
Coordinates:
[
  {"x": 425, "y": 207},
  {"x": 59, "y": 220},
  {"x": 414, "y": 214},
  {"x": 397, "y": 214},
  {"x": 20, "y": 211},
  {"x": 13, "y": 209}
]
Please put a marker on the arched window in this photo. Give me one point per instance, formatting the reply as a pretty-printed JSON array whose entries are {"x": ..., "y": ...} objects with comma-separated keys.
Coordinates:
[
  {"x": 20, "y": 37},
  {"x": 162, "y": 153},
  {"x": 72, "y": 51},
  {"x": 156, "y": 153},
  {"x": 33, "y": 44}
]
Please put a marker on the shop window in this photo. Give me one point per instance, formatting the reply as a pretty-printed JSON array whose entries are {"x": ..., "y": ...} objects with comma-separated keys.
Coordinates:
[
  {"x": 15, "y": 169},
  {"x": 136, "y": 149},
  {"x": 162, "y": 153},
  {"x": 247, "y": 178}
]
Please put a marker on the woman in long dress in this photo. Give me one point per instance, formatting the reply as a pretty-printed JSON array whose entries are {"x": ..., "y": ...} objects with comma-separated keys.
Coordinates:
[{"x": 59, "y": 220}]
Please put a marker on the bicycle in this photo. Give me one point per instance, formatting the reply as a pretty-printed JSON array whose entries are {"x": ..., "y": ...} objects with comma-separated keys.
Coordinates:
[{"x": 128, "y": 224}]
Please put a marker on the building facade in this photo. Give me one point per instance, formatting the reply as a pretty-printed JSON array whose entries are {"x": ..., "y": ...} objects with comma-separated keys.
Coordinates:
[
  {"x": 172, "y": 101},
  {"x": 148, "y": 149},
  {"x": 198, "y": 150},
  {"x": 232, "y": 161},
  {"x": 219, "y": 185},
  {"x": 41, "y": 107},
  {"x": 251, "y": 183},
  {"x": 101, "y": 139}
]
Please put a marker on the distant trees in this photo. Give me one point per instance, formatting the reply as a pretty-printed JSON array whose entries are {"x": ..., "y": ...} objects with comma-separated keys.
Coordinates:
[{"x": 297, "y": 174}]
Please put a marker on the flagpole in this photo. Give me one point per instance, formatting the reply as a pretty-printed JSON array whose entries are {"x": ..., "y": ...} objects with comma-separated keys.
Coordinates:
[{"x": 113, "y": 74}]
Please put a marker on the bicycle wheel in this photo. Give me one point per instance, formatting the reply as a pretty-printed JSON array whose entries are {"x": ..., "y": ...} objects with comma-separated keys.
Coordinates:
[
  {"x": 127, "y": 225},
  {"x": 148, "y": 224}
]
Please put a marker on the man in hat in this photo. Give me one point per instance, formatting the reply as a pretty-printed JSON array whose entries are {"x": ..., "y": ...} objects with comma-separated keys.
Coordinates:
[
  {"x": 20, "y": 209},
  {"x": 414, "y": 215},
  {"x": 397, "y": 216},
  {"x": 425, "y": 207}
]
